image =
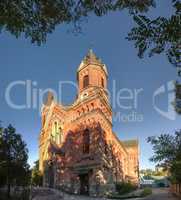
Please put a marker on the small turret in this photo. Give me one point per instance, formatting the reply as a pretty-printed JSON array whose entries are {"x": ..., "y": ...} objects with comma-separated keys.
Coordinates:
[{"x": 49, "y": 99}]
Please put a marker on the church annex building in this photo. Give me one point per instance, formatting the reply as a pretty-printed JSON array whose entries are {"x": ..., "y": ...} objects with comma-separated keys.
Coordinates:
[{"x": 78, "y": 150}]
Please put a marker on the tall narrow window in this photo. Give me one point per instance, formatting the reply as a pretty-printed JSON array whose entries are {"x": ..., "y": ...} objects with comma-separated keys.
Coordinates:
[
  {"x": 85, "y": 81},
  {"x": 60, "y": 135},
  {"x": 102, "y": 82},
  {"x": 43, "y": 120},
  {"x": 56, "y": 127},
  {"x": 86, "y": 141},
  {"x": 57, "y": 138}
]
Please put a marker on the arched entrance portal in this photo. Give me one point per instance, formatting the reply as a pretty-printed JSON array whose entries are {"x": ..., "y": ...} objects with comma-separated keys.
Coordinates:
[
  {"x": 84, "y": 184},
  {"x": 51, "y": 176}
]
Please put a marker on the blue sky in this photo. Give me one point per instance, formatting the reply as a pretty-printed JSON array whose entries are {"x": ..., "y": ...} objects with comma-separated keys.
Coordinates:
[{"x": 58, "y": 60}]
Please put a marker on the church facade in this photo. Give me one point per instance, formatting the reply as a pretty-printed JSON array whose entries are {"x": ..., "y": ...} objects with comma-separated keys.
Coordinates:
[{"x": 78, "y": 150}]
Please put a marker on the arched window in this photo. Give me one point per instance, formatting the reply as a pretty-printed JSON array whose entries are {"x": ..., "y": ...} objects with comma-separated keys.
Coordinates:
[
  {"x": 56, "y": 130},
  {"x": 57, "y": 138},
  {"x": 57, "y": 133},
  {"x": 85, "y": 81},
  {"x": 102, "y": 82},
  {"x": 43, "y": 120},
  {"x": 92, "y": 104},
  {"x": 60, "y": 135},
  {"x": 86, "y": 141}
]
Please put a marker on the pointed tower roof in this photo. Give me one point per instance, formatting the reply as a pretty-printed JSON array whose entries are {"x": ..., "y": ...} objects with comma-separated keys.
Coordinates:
[
  {"x": 49, "y": 98},
  {"x": 91, "y": 58}
]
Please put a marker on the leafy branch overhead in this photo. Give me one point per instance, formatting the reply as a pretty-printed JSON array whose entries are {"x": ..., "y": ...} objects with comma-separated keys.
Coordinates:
[
  {"x": 37, "y": 18},
  {"x": 160, "y": 35}
]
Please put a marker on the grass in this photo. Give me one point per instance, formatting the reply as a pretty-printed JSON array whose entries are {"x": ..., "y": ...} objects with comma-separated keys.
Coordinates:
[
  {"x": 146, "y": 192},
  {"x": 125, "y": 188},
  {"x": 142, "y": 194}
]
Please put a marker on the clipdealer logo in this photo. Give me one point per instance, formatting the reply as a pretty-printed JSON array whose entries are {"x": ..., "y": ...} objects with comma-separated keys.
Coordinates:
[
  {"x": 123, "y": 98},
  {"x": 168, "y": 89}
]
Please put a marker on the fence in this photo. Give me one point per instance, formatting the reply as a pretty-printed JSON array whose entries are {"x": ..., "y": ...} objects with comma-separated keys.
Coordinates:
[{"x": 176, "y": 189}]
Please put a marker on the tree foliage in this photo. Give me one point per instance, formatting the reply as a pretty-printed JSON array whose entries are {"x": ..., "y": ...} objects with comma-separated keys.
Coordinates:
[
  {"x": 160, "y": 35},
  {"x": 167, "y": 152},
  {"x": 37, "y": 178},
  {"x": 37, "y": 18},
  {"x": 14, "y": 169},
  {"x": 177, "y": 101},
  {"x": 149, "y": 173}
]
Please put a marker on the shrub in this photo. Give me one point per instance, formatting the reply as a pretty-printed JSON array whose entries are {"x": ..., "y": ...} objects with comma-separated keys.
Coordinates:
[
  {"x": 123, "y": 187},
  {"x": 146, "y": 192}
]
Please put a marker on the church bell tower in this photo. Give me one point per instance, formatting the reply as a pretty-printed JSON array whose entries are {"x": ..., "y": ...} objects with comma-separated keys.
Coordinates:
[
  {"x": 91, "y": 73},
  {"x": 92, "y": 77}
]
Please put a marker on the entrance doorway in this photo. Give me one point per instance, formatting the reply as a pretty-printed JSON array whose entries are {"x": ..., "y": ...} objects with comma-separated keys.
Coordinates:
[
  {"x": 51, "y": 177},
  {"x": 84, "y": 184}
]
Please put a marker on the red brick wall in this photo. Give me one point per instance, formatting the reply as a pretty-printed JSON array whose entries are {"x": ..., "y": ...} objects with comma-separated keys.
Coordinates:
[{"x": 176, "y": 189}]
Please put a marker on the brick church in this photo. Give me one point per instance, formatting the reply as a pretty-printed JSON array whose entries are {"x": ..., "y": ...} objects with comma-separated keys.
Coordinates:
[{"x": 78, "y": 150}]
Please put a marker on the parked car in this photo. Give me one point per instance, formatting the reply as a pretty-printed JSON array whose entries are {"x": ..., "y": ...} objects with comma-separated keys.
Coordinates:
[{"x": 146, "y": 182}]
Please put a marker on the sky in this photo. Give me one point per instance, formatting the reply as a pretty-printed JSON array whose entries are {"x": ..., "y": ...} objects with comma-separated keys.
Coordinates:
[{"x": 57, "y": 61}]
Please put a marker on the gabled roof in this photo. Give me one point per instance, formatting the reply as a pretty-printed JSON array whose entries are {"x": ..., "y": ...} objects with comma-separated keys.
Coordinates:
[
  {"x": 119, "y": 141},
  {"x": 53, "y": 148}
]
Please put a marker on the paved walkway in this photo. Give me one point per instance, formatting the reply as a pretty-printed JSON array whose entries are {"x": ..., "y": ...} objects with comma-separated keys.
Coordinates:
[
  {"x": 161, "y": 194},
  {"x": 70, "y": 197},
  {"x": 45, "y": 194},
  {"x": 158, "y": 194}
]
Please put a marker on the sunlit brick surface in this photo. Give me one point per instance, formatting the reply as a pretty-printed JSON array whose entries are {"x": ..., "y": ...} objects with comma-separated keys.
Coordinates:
[{"x": 85, "y": 164}]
